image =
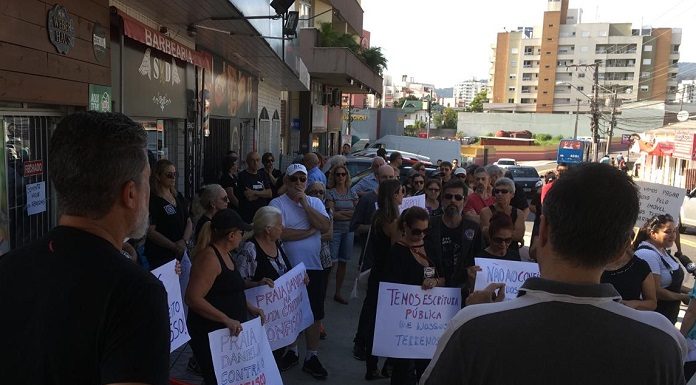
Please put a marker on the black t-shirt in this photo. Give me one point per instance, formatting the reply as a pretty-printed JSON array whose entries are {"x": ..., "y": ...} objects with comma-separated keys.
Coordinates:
[
  {"x": 628, "y": 280},
  {"x": 402, "y": 266},
  {"x": 170, "y": 221},
  {"x": 227, "y": 181},
  {"x": 256, "y": 182},
  {"x": 451, "y": 249},
  {"x": 519, "y": 200},
  {"x": 536, "y": 202},
  {"x": 75, "y": 311}
]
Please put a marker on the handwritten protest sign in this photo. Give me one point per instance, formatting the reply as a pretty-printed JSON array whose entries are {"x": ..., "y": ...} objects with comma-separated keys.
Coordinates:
[
  {"x": 417, "y": 201},
  {"x": 286, "y": 307},
  {"x": 410, "y": 320},
  {"x": 511, "y": 273},
  {"x": 246, "y": 359},
  {"x": 178, "y": 333},
  {"x": 656, "y": 199}
]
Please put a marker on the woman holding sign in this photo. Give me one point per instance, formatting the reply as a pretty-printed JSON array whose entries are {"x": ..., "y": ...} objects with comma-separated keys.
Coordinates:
[
  {"x": 410, "y": 263},
  {"x": 651, "y": 244},
  {"x": 215, "y": 294},
  {"x": 383, "y": 233}
]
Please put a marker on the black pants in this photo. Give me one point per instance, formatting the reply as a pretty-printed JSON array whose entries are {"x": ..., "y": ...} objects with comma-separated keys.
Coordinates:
[
  {"x": 407, "y": 371},
  {"x": 201, "y": 351}
]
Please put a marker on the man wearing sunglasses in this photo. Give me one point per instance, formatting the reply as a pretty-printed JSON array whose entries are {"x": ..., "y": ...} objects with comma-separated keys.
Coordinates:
[
  {"x": 566, "y": 319},
  {"x": 304, "y": 219},
  {"x": 457, "y": 238}
]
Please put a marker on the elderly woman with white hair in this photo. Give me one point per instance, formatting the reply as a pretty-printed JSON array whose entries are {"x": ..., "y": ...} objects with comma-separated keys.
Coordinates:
[
  {"x": 503, "y": 191},
  {"x": 261, "y": 258}
]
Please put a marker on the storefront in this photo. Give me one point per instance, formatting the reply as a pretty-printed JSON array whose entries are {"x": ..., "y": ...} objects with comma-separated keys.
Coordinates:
[
  {"x": 155, "y": 83},
  {"x": 232, "y": 98},
  {"x": 666, "y": 155},
  {"x": 53, "y": 56}
]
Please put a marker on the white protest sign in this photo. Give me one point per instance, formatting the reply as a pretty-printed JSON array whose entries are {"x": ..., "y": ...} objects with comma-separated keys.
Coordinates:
[
  {"x": 657, "y": 199},
  {"x": 36, "y": 198},
  {"x": 178, "y": 333},
  {"x": 246, "y": 359},
  {"x": 286, "y": 307},
  {"x": 417, "y": 201},
  {"x": 410, "y": 320},
  {"x": 511, "y": 273}
]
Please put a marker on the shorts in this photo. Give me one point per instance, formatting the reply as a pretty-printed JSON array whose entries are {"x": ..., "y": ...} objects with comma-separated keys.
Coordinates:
[
  {"x": 342, "y": 246},
  {"x": 315, "y": 292}
]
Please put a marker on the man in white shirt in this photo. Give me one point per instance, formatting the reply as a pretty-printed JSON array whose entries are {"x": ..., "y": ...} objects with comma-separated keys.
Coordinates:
[{"x": 304, "y": 219}]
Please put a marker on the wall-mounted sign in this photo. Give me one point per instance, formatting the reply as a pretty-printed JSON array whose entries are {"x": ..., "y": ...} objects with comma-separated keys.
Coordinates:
[
  {"x": 99, "y": 98},
  {"x": 99, "y": 42},
  {"x": 61, "y": 29},
  {"x": 148, "y": 36},
  {"x": 33, "y": 167},
  {"x": 36, "y": 198}
]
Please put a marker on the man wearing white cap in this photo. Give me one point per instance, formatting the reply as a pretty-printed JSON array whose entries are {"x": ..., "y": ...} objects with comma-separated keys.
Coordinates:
[
  {"x": 304, "y": 219},
  {"x": 460, "y": 173}
]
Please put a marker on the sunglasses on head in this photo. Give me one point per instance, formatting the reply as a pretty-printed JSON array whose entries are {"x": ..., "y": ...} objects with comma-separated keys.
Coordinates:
[
  {"x": 170, "y": 175},
  {"x": 500, "y": 191},
  {"x": 295, "y": 178},
  {"x": 457, "y": 197},
  {"x": 417, "y": 232}
]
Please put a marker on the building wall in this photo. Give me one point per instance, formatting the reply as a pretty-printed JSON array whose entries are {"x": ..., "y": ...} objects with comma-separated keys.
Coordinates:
[
  {"x": 662, "y": 48},
  {"x": 32, "y": 70},
  {"x": 269, "y": 98},
  {"x": 548, "y": 61},
  {"x": 501, "y": 67}
]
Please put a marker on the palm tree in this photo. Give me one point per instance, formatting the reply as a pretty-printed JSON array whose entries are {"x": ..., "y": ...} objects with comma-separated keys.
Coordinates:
[{"x": 374, "y": 59}]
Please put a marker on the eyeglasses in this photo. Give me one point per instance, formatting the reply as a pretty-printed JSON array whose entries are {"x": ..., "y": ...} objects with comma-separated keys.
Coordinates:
[
  {"x": 315, "y": 192},
  {"x": 498, "y": 191},
  {"x": 457, "y": 197},
  {"x": 340, "y": 173},
  {"x": 500, "y": 240},
  {"x": 170, "y": 175},
  {"x": 294, "y": 178},
  {"x": 419, "y": 232},
  {"x": 434, "y": 189}
]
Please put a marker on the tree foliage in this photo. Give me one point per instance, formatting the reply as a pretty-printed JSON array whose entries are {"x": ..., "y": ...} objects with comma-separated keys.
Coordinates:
[
  {"x": 400, "y": 103},
  {"x": 476, "y": 104},
  {"x": 372, "y": 57}
]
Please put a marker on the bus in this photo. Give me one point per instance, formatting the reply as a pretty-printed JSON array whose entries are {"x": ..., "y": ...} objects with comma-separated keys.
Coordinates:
[{"x": 573, "y": 151}]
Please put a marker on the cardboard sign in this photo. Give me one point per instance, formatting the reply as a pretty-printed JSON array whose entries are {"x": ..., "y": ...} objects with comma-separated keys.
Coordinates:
[
  {"x": 246, "y": 359},
  {"x": 418, "y": 201},
  {"x": 658, "y": 199},
  {"x": 410, "y": 320},
  {"x": 286, "y": 307},
  {"x": 36, "y": 198},
  {"x": 178, "y": 333},
  {"x": 511, "y": 273}
]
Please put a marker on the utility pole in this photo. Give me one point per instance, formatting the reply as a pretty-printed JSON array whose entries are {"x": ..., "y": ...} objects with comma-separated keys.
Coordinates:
[
  {"x": 612, "y": 122},
  {"x": 595, "y": 112},
  {"x": 577, "y": 116}
]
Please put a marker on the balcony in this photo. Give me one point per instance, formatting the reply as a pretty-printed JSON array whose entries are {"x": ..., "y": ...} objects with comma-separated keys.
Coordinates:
[
  {"x": 337, "y": 66},
  {"x": 350, "y": 12}
]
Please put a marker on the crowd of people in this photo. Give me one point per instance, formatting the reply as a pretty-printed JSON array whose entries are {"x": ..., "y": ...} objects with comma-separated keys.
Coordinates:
[{"x": 593, "y": 300}]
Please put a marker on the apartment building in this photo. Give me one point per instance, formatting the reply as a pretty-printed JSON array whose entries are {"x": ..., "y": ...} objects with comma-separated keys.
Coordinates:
[
  {"x": 686, "y": 92},
  {"x": 395, "y": 89},
  {"x": 543, "y": 71},
  {"x": 465, "y": 91}
]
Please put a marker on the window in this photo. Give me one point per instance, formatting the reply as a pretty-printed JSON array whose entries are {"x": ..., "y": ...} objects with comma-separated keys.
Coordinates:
[
  {"x": 647, "y": 48},
  {"x": 514, "y": 51},
  {"x": 581, "y": 75},
  {"x": 647, "y": 62},
  {"x": 580, "y": 88},
  {"x": 585, "y": 34},
  {"x": 511, "y": 89},
  {"x": 644, "y": 88},
  {"x": 513, "y": 76},
  {"x": 603, "y": 33},
  {"x": 511, "y": 100},
  {"x": 645, "y": 75}
]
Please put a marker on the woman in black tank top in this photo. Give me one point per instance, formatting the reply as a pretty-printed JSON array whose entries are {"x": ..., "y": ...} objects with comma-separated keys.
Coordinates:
[
  {"x": 503, "y": 192},
  {"x": 215, "y": 294}
]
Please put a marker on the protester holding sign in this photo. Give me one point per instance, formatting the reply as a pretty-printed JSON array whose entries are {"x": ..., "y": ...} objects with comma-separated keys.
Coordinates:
[
  {"x": 215, "y": 293},
  {"x": 651, "y": 244},
  {"x": 500, "y": 230},
  {"x": 383, "y": 233},
  {"x": 412, "y": 263}
]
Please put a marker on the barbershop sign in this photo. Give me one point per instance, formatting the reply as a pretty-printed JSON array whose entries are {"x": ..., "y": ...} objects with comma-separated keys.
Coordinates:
[{"x": 151, "y": 38}]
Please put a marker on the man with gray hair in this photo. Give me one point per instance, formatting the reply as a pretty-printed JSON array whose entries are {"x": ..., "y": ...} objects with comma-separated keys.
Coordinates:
[
  {"x": 369, "y": 182},
  {"x": 76, "y": 310},
  {"x": 314, "y": 174}
]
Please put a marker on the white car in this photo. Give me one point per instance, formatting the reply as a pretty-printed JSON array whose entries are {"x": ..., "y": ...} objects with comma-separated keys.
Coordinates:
[
  {"x": 688, "y": 211},
  {"x": 505, "y": 162}
]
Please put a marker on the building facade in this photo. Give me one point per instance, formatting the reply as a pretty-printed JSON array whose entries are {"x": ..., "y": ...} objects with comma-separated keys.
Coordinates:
[
  {"x": 405, "y": 86},
  {"x": 464, "y": 92},
  {"x": 537, "y": 70}
]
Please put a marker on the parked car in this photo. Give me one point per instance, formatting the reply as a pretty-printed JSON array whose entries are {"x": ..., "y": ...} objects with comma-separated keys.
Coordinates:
[
  {"x": 357, "y": 164},
  {"x": 372, "y": 152},
  {"x": 526, "y": 177},
  {"x": 404, "y": 172},
  {"x": 505, "y": 162},
  {"x": 688, "y": 211}
]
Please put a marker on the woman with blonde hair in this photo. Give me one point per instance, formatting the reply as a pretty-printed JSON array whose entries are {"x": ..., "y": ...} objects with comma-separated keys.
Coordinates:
[{"x": 211, "y": 199}]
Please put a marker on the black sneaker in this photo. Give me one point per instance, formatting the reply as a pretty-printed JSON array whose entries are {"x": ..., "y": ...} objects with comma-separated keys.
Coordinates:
[
  {"x": 314, "y": 367},
  {"x": 288, "y": 360},
  {"x": 359, "y": 352}
]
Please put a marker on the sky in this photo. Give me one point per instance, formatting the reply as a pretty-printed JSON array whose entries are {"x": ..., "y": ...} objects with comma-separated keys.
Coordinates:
[{"x": 447, "y": 41}]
